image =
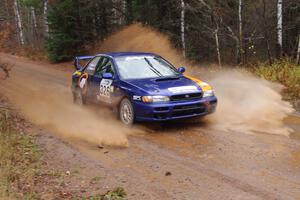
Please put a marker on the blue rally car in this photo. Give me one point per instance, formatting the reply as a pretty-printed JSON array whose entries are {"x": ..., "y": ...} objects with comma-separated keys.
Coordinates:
[{"x": 141, "y": 87}]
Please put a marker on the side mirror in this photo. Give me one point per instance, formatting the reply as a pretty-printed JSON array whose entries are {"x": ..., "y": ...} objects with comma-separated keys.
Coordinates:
[
  {"x": 181, "y": 70},
  {"x": 107, "y": 75}
]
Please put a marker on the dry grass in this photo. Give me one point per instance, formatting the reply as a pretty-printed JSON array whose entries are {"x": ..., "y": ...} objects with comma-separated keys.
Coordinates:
[
  {"x": 18, "y": 160},
  {"x": 23, "y": 174},
  {"x": 6, "y": 68},
  {"x": 117, "y": 194}
]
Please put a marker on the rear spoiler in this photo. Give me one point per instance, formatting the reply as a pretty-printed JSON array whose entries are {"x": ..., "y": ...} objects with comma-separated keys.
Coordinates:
[{"x": 77, "y": 60}]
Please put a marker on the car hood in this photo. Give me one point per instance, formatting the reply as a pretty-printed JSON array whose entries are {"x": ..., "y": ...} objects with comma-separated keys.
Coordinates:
[{"x": 166, "y": 86}]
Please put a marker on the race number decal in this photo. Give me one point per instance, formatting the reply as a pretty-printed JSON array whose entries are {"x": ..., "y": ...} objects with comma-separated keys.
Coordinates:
[
  {"x": 82, "y": 83},
  {"x": 105, "y": 88}
]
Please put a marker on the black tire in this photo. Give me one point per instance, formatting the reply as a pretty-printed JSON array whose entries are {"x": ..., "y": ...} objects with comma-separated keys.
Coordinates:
[
  {"x": 78, "y": 97},
  {"x": 126, "y": 112}
]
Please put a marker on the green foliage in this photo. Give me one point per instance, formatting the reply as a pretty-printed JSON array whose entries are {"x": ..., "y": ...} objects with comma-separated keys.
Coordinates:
[
  {"x": 284, "y": 72},
  {"x": 74, "y": 23},
  {"x": 31, "y": 3},
  {"x": 63, "y": 41}
]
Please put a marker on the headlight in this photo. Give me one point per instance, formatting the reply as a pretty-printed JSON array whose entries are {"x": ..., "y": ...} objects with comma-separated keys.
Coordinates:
[
  {"x": 153, "y": 99},
  {"x": 208, "y": 93}
]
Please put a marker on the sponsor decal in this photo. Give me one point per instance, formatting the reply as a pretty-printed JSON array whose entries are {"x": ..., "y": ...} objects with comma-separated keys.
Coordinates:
[
  {"x": 138, "y": 57},
  {"x": 137, "y": 98},
  {"x": 183, "y": 89}
]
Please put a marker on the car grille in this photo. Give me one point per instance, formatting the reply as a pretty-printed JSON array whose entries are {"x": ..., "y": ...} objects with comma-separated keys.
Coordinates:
[
  {"x": 185, "y": 97},
  {"x": 188, "y": 110}
]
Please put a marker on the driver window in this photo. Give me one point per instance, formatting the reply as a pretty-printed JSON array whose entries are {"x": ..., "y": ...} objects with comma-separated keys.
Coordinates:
[
  {"x": 92, "y": 66},
  {"x": 104, "y": 66}
]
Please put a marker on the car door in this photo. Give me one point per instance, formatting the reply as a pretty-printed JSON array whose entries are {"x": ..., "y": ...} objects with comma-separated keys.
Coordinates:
[
  {"x": 104, "y": 87},
  {"x": 90, "y": 70}
]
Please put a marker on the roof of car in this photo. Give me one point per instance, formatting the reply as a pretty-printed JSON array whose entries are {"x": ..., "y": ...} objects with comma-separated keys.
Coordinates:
[{"x": 119, "y": 54}]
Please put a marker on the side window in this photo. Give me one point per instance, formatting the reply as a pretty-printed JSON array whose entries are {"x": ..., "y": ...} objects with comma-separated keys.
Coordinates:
[
  {"x": 92, "y": 66},
  {"x": 104, "y": 66}
]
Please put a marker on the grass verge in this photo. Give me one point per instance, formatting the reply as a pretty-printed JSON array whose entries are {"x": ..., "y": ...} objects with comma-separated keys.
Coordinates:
[
  {"x": 23, "y": 174},
  {"x": 18, "y": 160},
  {"x": 286, "y": 73}
]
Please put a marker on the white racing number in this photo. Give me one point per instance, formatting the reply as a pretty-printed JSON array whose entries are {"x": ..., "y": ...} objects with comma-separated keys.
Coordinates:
[
  {"x": 82, "y": 83},
  {"x": 105, "y": 88}
]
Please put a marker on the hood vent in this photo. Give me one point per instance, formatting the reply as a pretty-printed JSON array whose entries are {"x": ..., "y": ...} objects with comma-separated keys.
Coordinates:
[{"x": 167, "y": 79}]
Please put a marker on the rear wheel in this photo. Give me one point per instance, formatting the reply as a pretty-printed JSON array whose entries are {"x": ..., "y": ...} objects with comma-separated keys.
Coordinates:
[{"x": 126, "y": 112}]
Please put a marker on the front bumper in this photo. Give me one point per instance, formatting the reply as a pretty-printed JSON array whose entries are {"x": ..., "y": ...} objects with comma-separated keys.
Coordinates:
[{"x": 174, "y": 110}]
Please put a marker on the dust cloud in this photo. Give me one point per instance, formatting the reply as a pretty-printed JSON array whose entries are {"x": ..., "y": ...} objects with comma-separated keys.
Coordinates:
[
  {"x": 246, "y": 103},
  {"x": 137, "y": 37},
  {"x": 249, "y": 104},
  {"x": 45, "y": 100}
]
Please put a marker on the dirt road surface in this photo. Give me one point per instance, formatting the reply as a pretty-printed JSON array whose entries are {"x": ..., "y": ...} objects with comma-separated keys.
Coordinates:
[{"x": 182, "y": 160}]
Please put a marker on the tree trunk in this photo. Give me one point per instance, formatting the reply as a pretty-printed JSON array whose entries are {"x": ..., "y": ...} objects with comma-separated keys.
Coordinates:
[
  {"x": 218, "y": 46},
  {"x": 114, "y": 12},
  {"x": 32, "y": 9},
  {"x": 241, "y": 50},
  {"x": 34, "y": 22},
  {"x": 298, "y": 51},
  {"x": 45, "y": 17},
  {"x": 266, "y": 34},
  {"x": 237, "y": 42},
  {"x": 279, "y": 28},
  {"x": 182, "y": 22},
  {"x": 124, "y": 6},
  {"x": 19, "y": 22},
  {"x": 7, "y": 8},
  {"x": 129, "y": 11}
]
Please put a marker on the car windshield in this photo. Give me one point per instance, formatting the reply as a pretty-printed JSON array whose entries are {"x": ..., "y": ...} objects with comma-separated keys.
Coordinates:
[{"x": 142, "y": 67}]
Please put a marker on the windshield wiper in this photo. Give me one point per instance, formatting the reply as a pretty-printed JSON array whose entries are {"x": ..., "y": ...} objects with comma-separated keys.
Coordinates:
[{"x": 153, "y": 68}]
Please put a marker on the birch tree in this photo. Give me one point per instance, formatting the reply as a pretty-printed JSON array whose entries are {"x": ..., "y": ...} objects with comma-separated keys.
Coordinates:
[
  {"x": 34, "y": 22},
  {"x": 298, "y": 51},
  {"x": 241, "y": 50},
  {"x": 33, "y": 15},
  {"x": 266, "y": 33},
  {"x": 279, "y": 27},
  {"x": 216, "y": 32},
  {"x": 19, "y": 22},
  {"x": 216, "y": 21},
  {"x": 45, "y": 12},
  {"x": 182, "y": 22}
]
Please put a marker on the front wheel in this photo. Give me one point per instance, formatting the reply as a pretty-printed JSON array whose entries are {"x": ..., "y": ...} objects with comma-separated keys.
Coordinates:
[{"x": 126, "y": 112}]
